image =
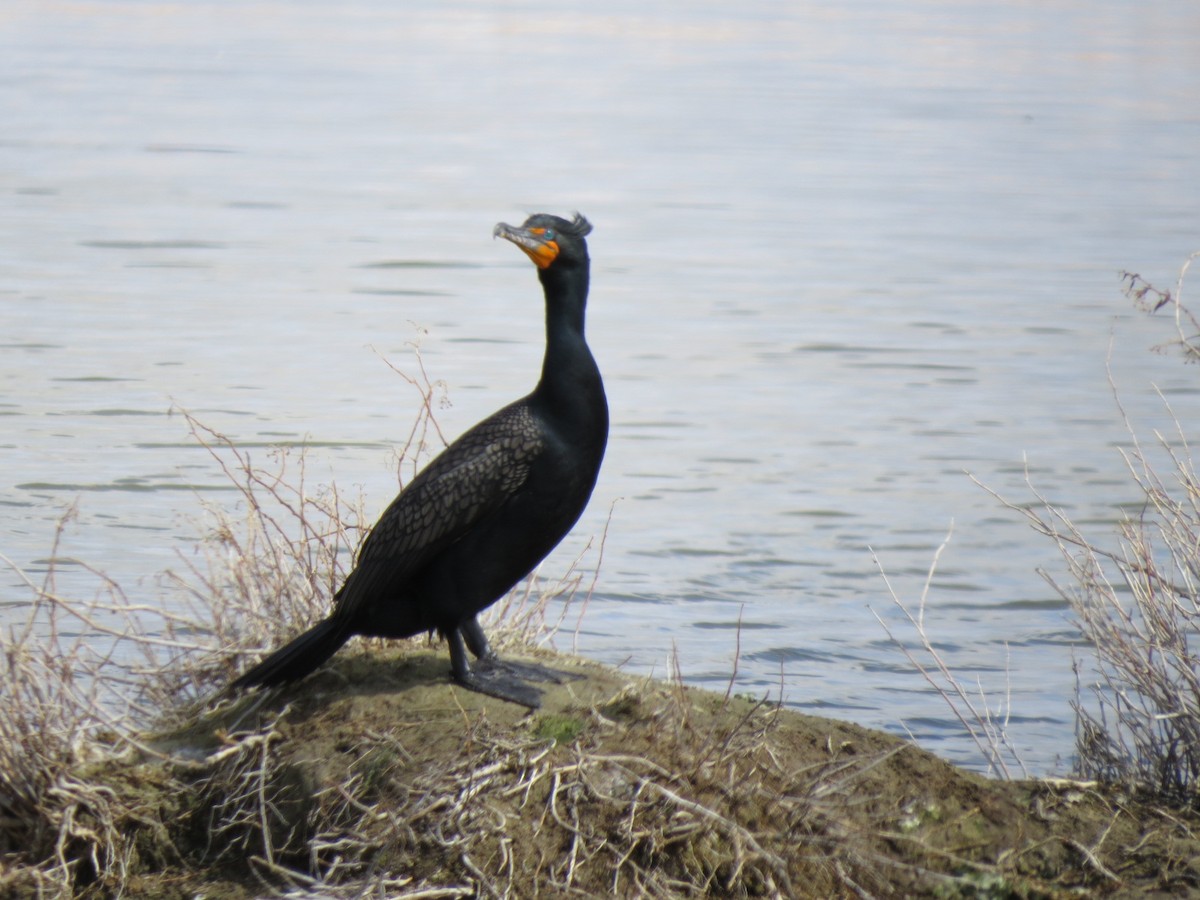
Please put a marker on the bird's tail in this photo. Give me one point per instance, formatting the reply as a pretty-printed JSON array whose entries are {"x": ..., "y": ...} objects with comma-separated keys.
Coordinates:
[{"x": 297, "y": 658}]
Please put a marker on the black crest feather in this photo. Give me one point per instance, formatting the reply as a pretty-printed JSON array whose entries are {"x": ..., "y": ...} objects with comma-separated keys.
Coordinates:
[{"x": 581, "y": 226}]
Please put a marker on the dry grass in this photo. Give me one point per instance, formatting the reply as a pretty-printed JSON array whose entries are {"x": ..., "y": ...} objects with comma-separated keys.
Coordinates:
[
  {"x": 75, "y": 688},
  {"x": 1150, "y": 299},
  {"x": 1138, "y": 604},
  {"x": 621, "y": 824},
  {"x": 256, "y": 578},
  {"x": 48, "y": 722},
  {"x": 987, "y": 726}
]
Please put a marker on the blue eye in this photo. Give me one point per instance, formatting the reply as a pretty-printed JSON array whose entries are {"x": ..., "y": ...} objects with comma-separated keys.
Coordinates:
[{"x": 549, "y": 235}]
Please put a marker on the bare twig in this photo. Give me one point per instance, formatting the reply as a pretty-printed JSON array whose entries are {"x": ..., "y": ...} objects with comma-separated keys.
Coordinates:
[{"x": 989, "y": 733}]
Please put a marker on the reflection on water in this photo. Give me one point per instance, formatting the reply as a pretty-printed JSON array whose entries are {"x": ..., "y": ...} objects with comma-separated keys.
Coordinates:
[{"x": 842, "y": 257}]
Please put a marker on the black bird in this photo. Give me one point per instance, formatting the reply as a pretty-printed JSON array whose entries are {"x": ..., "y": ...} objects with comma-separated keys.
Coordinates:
[{"x": 489, "y": 508}]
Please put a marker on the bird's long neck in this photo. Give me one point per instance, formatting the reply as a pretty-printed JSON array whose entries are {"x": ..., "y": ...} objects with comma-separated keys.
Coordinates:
[{"x": 569, "y": 373}]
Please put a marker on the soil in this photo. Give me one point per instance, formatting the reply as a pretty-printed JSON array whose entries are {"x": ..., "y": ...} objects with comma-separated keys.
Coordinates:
[{"x": 378, "y": 777}]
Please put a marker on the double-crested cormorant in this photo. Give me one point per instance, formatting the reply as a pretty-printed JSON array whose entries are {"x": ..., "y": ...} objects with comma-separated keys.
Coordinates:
[{"x": 489, "y": 508}]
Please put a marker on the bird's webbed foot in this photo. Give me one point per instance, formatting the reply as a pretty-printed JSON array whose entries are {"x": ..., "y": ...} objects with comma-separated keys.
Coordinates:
[
  {"x": 496, "y": 677},
  {"x": 527, "y": 671},
  {"x": 489, "y": 675},
  {"x": 477, "y": 643},
  {"x": 499, "y": 681}
]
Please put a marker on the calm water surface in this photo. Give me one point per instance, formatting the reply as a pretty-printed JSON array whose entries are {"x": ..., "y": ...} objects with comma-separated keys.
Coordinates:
[{"x": 844, "y": 254}]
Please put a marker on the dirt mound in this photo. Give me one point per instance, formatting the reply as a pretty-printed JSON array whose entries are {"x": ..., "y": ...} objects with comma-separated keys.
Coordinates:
[{"x": 378, "y": 776}]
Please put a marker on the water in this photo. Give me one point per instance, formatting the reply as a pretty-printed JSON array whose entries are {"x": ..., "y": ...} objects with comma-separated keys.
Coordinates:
[{"x": 843, "y": 255}]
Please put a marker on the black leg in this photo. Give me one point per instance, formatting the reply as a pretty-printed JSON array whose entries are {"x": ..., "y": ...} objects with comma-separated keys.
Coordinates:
[
  {"x": 476, "y": 640},
  {"x": 459, "y": 667}
]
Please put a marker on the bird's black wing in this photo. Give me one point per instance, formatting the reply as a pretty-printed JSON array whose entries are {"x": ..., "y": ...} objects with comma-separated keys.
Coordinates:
[{"x": 472, "y": 477}]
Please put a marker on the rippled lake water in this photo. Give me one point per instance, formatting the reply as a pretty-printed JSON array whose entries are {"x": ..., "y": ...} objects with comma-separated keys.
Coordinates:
[{"x": 844, "y": 254}]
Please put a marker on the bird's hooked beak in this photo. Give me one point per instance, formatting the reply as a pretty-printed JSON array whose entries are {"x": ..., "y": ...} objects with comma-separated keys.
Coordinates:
[{"x": 541, "y": 249}]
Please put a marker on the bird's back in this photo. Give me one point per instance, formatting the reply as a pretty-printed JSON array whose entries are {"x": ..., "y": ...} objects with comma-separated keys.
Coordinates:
[{"x": 471, "y": 524}]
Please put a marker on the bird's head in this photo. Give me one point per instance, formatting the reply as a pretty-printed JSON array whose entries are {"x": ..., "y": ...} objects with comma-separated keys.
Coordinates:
[{"x": 549, "y": 240}]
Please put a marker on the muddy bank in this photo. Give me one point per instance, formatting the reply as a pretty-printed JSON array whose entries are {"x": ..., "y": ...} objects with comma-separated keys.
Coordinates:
[{"x": 378, "y": 775}]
